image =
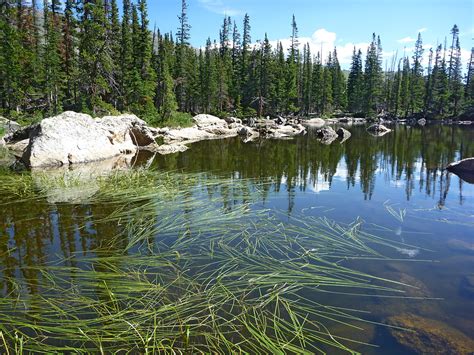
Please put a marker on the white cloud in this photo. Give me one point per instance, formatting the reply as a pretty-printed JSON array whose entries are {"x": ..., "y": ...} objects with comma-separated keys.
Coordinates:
[
  {"x": 323, "y": 36},
  {"x": 324, "y": 41},
  {"x": 408, "y": 52},
  {"x": 421, "y": 30},
  {"x": 219, "y": 7},
  {"x": 406, "y": 40}
]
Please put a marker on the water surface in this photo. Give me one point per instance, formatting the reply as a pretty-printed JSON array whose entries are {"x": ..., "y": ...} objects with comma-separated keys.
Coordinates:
[{"x": 394, "y": 184}]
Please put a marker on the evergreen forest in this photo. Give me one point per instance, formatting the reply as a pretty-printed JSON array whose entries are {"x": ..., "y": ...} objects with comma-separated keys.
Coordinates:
[{"x": 90, "y": 56}]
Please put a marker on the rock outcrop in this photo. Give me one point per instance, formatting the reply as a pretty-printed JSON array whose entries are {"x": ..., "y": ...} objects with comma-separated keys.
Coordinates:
[
  {"x": 247, "y": 134},
  {"x": 282, "y": 132},
  {"x": 326, "y": 135},
  {"x": 206, "y": 127},
  {"x": 8, "y": 126},
  {"x": 465, "y": 165},
  {"x": 429, "y": 336},
  {"x": 421, "y": 121},
  {"x": 378, "y": 130},
  {"x": 343, "y": 134},
  {"x": 464, "y": 169},
  {"x": 314, "y": 122},
  {"x": 73, "y": 138}
]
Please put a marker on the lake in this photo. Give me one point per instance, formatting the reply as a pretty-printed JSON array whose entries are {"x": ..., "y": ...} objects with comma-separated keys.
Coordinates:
[{"x": 265, "y": 246}]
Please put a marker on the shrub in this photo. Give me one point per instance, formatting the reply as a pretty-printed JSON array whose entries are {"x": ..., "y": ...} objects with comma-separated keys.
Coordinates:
[{"x": 177, "y": 119}]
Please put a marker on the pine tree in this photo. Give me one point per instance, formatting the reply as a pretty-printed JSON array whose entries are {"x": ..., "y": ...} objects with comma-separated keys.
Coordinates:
[
  {"x": 28, "y": 56},
  {"x": 10, "y": 70},
  {"x": 279, "y": 101},
  {"x": 417, "y": 85},
  {"x": 35, "y": 28},
  {"x": 53, "y": 73},
  {"x": 292, "y": 70},
  {"x": 469, "y": 88},
  {"x": 144, "y": 77},
  {"x": 126, "y": 58},
  {"x": 224, "y": 67},
  {"x": 373, "y": 77},
  {"x": 455, "y": 73},
  {"x": 192, "y": 101},
  {"x": 439, "y": 86},
  {"x": 307, "y": 80},
  {"x": 209, "y": 79},
  {"x": 235, "y": 89},
  {"x": 455, "y": 34},
  {"x": 355, "y": 83},
  {"x": 70, "y": 54},
  {"x": 183, "y": 36},
  {"x": 266, "y": 90},
  {"x": 114, "y": 45},
  {"x": 165, "y": 98},
  {"x": 428, "y": 85},
  {"x": 405, "y": 88},
  {"x": 396, "y": 90},
  {"x": 169, "y": 104},
  {"x": 326, "y": 92},
  {"x": 338, "y": 83},
  {"x": 245, "y": 64},
  {"x": 95, "y": 62}
]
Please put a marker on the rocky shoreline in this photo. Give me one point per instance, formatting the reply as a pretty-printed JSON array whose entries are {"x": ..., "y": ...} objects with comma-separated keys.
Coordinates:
[{"x": 73, "y": 138}]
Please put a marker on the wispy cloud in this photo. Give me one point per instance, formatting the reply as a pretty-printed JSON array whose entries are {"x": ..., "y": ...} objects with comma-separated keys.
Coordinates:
[
  {"x": 421, "y": 30},
  {"x": 219, "y": 7},
  {"x": 406, "y": 40}
]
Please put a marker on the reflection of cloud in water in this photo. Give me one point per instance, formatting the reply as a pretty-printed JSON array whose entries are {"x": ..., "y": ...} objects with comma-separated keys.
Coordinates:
[
  {"x": 316, "y": 186},
  {"x": 411, "y": 253},
  {"x": 397, "y": 183},
  {"x": 342, "y": 173},
  {"x": 320, "y": 186}
]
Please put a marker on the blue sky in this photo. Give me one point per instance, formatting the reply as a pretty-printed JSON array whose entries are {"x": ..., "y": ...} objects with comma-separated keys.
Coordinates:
[{"x": 328, "y": 23}]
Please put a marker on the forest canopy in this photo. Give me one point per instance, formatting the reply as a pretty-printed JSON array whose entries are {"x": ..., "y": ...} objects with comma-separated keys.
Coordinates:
[{"x": 84, "y": 56}]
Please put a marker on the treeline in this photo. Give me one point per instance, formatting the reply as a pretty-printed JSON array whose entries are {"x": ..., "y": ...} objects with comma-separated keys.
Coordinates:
[{"x": 82, "y": 55}]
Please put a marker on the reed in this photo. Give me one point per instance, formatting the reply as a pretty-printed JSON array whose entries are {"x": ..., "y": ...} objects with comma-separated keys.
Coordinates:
[{"x": 195, "y": 276}]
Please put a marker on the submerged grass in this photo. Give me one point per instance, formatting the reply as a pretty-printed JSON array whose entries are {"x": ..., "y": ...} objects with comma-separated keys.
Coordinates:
[
  {"x": 189, "y": 274},
  {"x": 399, "y": 214}
]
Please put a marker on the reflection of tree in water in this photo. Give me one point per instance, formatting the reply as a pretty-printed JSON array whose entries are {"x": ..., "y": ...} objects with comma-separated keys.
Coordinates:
[
  {"x": 32, "y": 233},
  {"x": 413, "y": 156}
]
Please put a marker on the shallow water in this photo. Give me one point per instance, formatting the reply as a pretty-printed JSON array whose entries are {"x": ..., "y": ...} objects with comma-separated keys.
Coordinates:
[{"x": 395, "y": 184}]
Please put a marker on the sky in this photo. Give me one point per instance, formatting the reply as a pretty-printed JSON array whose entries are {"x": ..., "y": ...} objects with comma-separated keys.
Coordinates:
[{"x": 329, "y": 23}]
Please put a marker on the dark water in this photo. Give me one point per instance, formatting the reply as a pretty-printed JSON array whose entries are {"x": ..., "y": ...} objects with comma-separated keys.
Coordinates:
[{"x": 395, "y": 183}]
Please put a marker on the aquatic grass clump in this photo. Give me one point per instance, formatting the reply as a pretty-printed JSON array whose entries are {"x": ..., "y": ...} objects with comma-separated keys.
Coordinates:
[{"x": 186, "y": 273}]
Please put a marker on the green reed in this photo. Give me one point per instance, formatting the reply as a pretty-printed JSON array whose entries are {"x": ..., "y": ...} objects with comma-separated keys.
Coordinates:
[{"x": 194, "y": 276}]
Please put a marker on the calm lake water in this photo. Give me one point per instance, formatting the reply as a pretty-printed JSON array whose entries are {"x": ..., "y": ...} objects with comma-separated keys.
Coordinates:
[{"x": 394, "y": 184}]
